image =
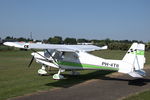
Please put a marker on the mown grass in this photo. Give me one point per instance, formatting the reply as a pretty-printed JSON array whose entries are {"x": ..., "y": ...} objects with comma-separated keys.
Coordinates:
[
  {"x": 16, "y": 79},
  {"x": 140, "y": 96}
]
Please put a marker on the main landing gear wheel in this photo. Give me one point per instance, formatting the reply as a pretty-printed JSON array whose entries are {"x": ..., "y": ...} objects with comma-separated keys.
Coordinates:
[{"x": 58, "y": 76}]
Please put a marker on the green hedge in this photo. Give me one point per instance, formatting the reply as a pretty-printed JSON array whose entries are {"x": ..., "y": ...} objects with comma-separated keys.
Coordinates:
[{"x": 6, "y": 48}]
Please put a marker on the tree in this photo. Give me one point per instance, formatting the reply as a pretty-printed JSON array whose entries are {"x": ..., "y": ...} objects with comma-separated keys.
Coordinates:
[
  {"x": 55, "y": 40},
  {"x": 22, "y": 39},
  {"x": 148, "y": 46},
  {"x": 9, "y": 38},
  {"x": 119, "y": 46},
  {"x": 0, "y": 40},
  {"x": 70, "y": 41},
  {"x": 107, "y": 41},
  {"x": 49, "y": 40},
  {"x": 82, "y": 41}
]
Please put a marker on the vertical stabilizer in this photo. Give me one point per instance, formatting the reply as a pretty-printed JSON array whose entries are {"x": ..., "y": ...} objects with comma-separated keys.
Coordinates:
[
  {"x": 135, "y": 57},
  {"x": 130, "y": 55}
]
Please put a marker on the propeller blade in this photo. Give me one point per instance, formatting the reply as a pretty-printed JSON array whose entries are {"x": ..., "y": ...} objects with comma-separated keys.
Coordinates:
[{"x": 31, "y": 61}]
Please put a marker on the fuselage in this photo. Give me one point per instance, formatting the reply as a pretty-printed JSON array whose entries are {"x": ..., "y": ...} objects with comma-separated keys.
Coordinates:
[{"x": 78, "y": 60}]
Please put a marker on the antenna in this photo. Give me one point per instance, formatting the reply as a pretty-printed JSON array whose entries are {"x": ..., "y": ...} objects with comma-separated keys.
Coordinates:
[{"x": 31, "y": 36}]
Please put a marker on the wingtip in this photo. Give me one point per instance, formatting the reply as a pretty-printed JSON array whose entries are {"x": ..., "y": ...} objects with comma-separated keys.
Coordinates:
[
  {"x": 7, "y": 43},
  {"x": 104, "y": 47},
  {"x": 13, "y": 44}
]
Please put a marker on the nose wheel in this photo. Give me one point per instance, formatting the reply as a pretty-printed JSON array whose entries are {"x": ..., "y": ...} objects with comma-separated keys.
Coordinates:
[{"x": 42, "y": 71}]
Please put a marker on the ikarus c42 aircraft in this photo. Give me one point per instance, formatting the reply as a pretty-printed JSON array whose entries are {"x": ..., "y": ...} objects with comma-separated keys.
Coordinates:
[{"x": 76, "y": 57}]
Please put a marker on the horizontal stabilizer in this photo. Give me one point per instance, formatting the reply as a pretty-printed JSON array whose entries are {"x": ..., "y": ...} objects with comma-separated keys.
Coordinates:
[
  {"x": 141, "y": 72},
  {"x": 138, "y": 73}
]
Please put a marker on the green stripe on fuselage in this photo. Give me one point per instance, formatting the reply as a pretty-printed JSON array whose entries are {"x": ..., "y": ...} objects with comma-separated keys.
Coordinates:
[{"x": 65, "y": 63}]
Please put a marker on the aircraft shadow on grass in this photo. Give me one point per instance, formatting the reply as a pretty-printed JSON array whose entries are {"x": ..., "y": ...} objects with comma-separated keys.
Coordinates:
[{"x": 73, "y": 80}]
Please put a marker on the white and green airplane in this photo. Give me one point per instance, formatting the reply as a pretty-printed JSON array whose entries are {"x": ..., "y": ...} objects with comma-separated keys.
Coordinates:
[{"x": 76, "y": 57}]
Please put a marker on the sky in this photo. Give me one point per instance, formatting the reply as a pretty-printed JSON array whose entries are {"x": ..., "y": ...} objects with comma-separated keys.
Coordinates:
[{"x": 90, "y": 19}]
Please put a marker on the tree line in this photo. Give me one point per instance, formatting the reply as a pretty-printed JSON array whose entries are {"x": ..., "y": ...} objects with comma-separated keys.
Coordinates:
[{"x": 112, "y": 44}]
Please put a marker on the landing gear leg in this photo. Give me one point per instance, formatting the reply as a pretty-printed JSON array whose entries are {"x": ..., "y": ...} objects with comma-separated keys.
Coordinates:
[
  {"x": 58, "y": 76},
  {"x": 42, "y": 71}
]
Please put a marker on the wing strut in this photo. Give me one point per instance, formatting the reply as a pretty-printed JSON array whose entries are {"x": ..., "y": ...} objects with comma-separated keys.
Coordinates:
[
  {"x": 51, "y": 56},
  {"x": 54, "y": 61}
]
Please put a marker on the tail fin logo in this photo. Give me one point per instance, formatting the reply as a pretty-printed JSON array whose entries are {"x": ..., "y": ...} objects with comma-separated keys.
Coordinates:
[
  {"x": 136, "y": 52},
  {"x": 131, "y": 51}
]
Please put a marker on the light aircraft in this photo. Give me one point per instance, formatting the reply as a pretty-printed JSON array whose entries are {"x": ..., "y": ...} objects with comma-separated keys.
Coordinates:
[{"x": 76, "y": 57}]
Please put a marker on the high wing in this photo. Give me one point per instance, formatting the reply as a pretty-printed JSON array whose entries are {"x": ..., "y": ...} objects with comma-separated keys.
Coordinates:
[{"x": 58, "y": 47}]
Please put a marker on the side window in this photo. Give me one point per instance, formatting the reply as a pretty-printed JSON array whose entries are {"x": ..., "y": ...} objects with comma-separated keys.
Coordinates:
[
  {"x": 46, "y": 54},
  {"x": 70, "y": 56}
]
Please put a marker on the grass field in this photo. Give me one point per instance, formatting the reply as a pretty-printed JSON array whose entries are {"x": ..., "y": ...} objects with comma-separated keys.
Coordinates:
[
  {"x": 16, "y": 79},
  {"x": 140, "y": 96}
]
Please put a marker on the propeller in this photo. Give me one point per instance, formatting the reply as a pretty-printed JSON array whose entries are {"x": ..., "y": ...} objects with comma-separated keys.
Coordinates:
[{"x": 31, "y": 61}]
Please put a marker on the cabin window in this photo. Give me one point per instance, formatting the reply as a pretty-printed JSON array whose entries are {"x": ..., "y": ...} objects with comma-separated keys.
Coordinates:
[{"x": 70, "y": 56}]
